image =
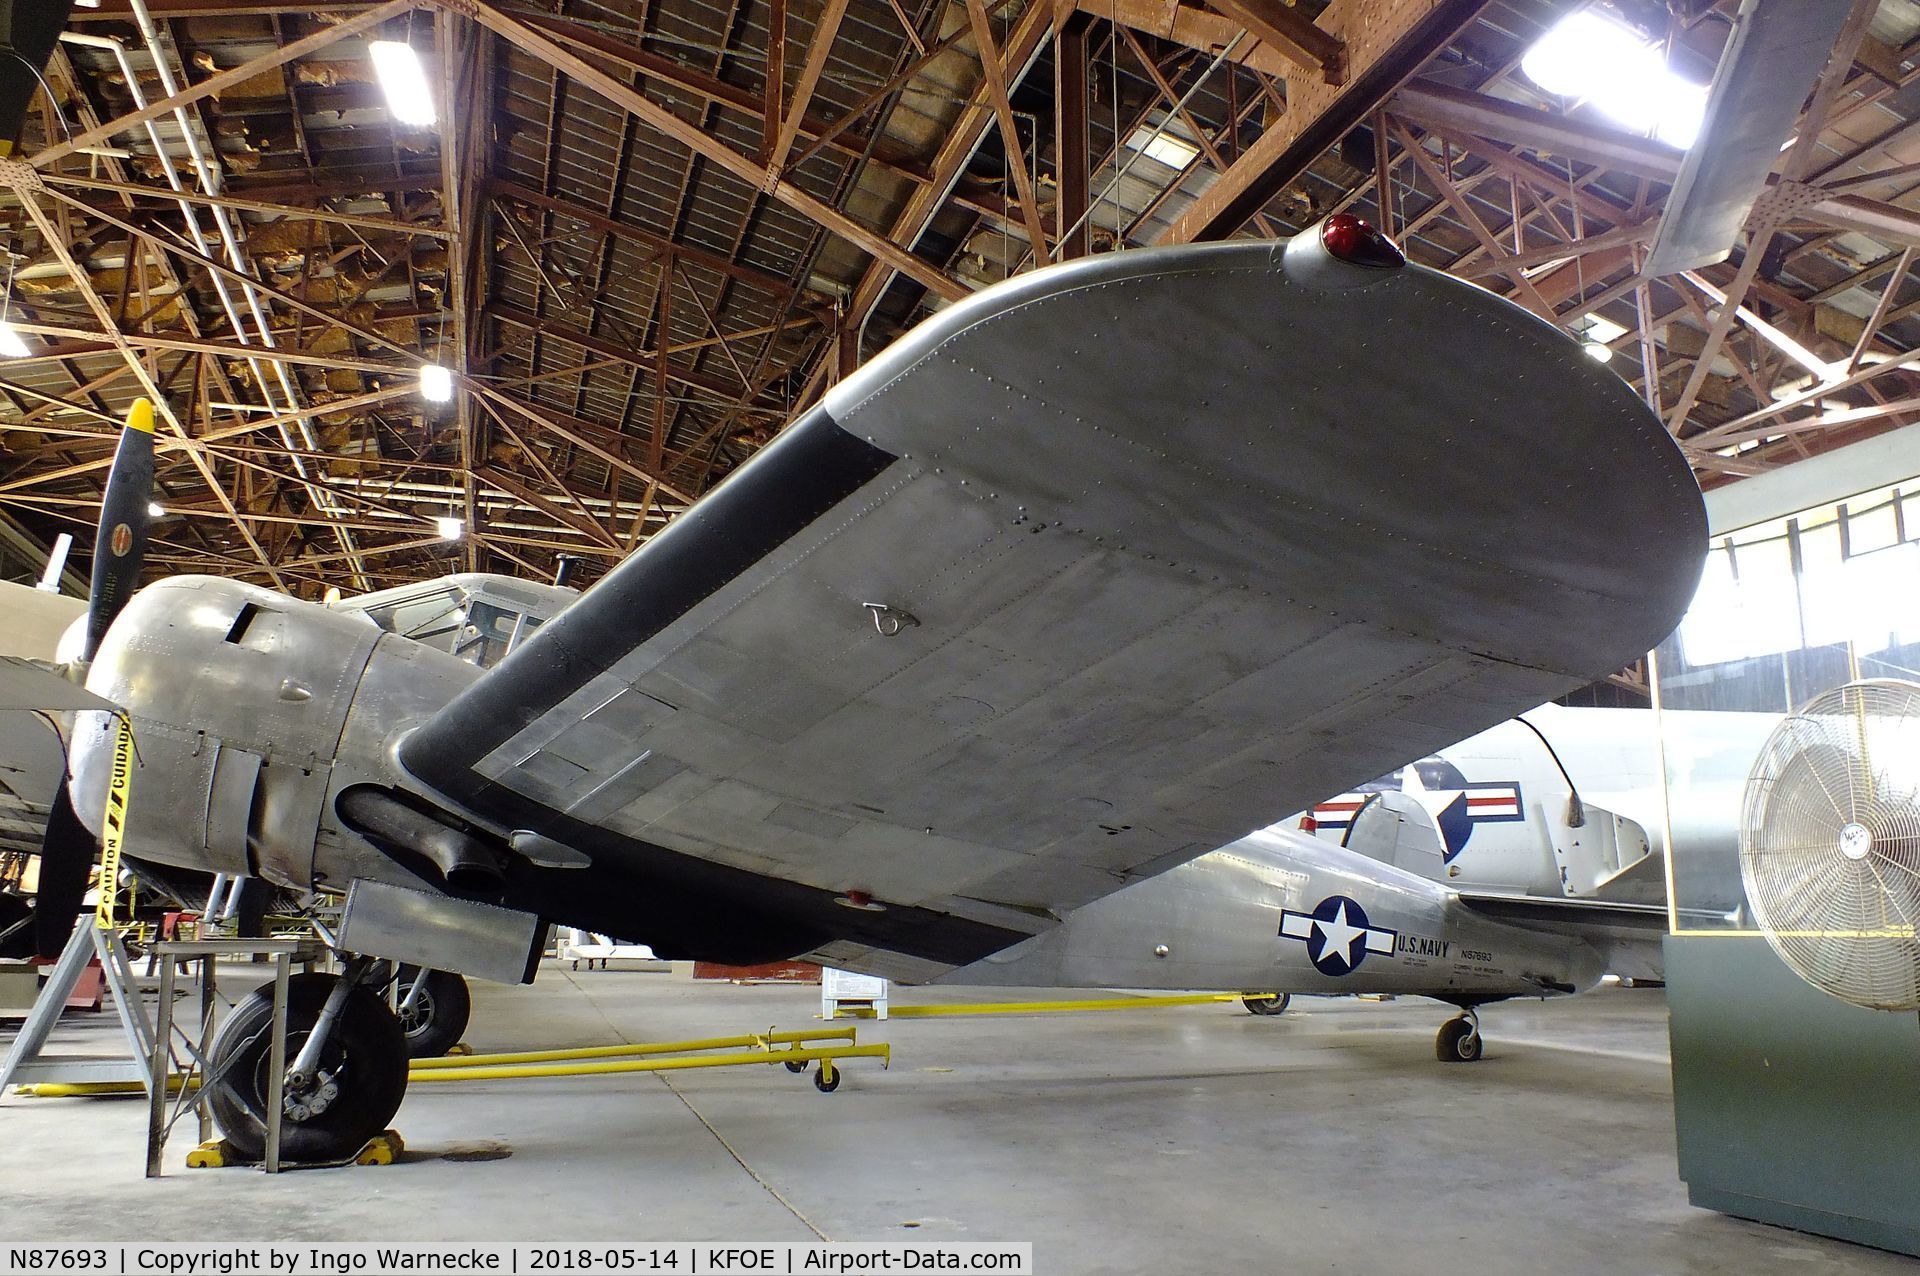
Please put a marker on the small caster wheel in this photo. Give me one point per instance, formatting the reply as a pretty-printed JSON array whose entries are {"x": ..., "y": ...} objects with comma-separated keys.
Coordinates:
[
  {"x": 826, "y": 1079},
  {"x": 1459, "y": 1042},
  {"x": 796, "y": 1065},
  {"x": 439, "y": 1013},
  {"x": 1271, "y": 1004}
]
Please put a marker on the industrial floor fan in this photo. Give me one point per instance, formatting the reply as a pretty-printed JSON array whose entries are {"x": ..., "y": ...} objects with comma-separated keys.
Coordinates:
[{"x": 1830, "y": 843}]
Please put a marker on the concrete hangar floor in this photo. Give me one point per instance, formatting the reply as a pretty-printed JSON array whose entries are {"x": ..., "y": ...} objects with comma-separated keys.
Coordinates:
[{"x": 1173, "y": 1140}]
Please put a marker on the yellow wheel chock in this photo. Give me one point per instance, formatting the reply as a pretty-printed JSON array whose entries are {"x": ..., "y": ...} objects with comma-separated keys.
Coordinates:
[
  {"x": 211, "y": 1155},
  {"x": 382, "y": 1149}
]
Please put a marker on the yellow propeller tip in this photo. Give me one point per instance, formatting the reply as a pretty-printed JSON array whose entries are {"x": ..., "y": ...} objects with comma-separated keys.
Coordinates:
[{"x": 140, "y": 416}]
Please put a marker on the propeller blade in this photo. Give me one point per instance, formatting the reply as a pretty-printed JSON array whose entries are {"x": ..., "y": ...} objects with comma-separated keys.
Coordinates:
[
  {"x": 67, "y": 854},
  {"x": 250, "y": 908},
  {"x": 120, "y": 547},
  {"x": 30, "y": 32}
]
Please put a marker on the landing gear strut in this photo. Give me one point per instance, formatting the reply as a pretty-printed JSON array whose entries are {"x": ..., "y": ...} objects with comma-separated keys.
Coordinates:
[
  {"x": 1459, "y": 1040},
  {"x": 346, "y": 1075}
]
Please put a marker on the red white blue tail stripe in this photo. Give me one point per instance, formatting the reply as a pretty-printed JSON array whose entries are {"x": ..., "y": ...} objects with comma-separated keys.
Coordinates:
[{"x": 1454, "y": 810}]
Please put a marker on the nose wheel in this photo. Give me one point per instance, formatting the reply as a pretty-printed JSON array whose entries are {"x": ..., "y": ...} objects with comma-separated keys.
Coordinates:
[{"x": 1459, "y": 1040}]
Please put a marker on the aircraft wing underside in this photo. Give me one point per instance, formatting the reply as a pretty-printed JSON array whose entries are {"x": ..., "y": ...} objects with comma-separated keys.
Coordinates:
[{"x": 1081, "y": 580}]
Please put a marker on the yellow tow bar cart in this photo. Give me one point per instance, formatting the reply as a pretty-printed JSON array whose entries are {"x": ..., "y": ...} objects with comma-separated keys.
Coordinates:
[{"x": 823, "y": 1046}]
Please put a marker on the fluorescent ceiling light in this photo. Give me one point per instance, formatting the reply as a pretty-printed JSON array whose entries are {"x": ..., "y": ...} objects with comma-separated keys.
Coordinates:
[
  {"x": 450, "y": 528},
  {"x": 1779, "y": 340},
  {"x": 12, "y": 344},
  {"x": 404, "y": 80},
  {"x": 1174, "y": 152},
  {"x": 436, "y": 383},
  {"x": 1603, "y": 330},
  {"x": 1625, "y": 75}
]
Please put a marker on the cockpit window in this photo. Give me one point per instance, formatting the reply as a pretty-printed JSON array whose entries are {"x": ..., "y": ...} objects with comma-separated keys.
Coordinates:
[
  {"x": 1438, "y": 773},
  {"x": 473, "y": 616},
  {"x": 1433, "y": 773},
  {"x": 488, "y": 634},
  {"x": 434, "y": 620}
]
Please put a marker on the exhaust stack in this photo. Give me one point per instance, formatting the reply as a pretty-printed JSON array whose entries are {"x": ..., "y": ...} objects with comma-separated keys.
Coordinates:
[{"x": 466, "y": 865}]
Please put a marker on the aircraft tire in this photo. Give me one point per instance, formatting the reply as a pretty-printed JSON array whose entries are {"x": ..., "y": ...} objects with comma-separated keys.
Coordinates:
[
  {"x": 440, "y": 1015},
  {"x": 1459, "y": 1042},
  {"x": 1273, "y": 1004},
  {"x": 365, "y": 1057}
]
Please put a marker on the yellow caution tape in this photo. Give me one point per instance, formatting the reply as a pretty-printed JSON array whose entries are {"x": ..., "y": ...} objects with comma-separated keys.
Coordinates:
[{"x": 113, "y": 829}]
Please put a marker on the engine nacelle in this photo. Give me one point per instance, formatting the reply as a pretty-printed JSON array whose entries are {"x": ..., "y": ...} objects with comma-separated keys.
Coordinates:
[{"x": 251, "y": 712}]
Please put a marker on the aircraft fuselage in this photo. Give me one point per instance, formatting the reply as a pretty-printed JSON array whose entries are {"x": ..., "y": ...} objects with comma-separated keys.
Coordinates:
[{"x": 1281, "y": 911}]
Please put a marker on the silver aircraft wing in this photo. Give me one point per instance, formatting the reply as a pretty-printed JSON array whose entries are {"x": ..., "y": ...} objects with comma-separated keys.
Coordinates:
[
  {"x": 1572, "y": 912},
  {"x": 1090, "y": 574},
  {"x": 38, "y": 684},
  {"x": 1566, "y": 914}
]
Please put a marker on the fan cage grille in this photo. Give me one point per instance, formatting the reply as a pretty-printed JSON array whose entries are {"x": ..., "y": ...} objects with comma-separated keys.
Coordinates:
[{"x": 1841, "y": 911}]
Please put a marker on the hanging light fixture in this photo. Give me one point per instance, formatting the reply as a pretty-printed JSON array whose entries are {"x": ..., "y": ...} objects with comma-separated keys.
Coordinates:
[
  {"x": 404, "y": 80},
  {"x": 436, "y": 383},
  {"x": 1625, "y": 76},
  {"x": 449, "y": 527}
]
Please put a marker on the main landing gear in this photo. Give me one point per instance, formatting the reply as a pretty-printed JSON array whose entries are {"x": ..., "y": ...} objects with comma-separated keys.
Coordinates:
[
  {"x": 1273, "y": 1003},
  {"x": 1459, "y": 1040},
  {"x": 346, "y": 1068}
]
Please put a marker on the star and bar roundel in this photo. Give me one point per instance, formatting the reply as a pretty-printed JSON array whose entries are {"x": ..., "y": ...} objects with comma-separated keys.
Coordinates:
[
  {"x": 1455, "y": 811},
  {"x": 1337, "y": 934}
]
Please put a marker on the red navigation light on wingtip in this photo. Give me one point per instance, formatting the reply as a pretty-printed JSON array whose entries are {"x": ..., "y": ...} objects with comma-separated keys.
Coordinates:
[{"x": 1357, "y": 242}]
